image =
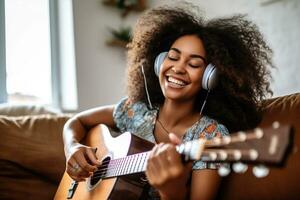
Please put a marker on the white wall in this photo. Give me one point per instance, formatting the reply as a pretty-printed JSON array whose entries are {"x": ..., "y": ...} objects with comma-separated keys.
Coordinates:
[{"x": 100, "y": 68}]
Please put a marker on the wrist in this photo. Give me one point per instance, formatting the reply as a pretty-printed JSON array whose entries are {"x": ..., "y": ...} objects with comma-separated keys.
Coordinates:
[{"x": 70, "y": 147}]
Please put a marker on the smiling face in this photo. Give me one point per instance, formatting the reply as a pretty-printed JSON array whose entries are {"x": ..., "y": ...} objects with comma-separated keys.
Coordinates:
[{"x": 181, "y": 72}]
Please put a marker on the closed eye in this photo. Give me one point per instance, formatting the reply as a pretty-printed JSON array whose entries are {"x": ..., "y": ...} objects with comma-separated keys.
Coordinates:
[
  {"x": 194, "y": 66},
  {"x": 172, "y": 58}
]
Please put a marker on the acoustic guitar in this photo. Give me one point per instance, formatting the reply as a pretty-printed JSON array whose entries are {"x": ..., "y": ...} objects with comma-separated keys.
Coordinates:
[{"x": 124, "y": 159}]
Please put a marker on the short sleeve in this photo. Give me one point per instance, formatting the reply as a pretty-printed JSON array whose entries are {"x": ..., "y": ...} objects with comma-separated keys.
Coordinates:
[
  {"x": 210, "y": 130},
  {"x": 135, "y": 118},
  {"x": 120, "y": 114}
]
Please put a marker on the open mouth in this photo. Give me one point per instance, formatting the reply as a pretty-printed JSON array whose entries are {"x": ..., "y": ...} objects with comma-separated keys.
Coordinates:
[{"x": 176, "y": 82}]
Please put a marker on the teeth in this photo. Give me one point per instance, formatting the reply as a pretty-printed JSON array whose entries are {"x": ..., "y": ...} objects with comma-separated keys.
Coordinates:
[{"x": 178, "y": 82}]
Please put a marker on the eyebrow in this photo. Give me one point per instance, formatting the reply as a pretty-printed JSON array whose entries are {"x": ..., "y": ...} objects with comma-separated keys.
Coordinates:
[{"x": 192, "y": 56}]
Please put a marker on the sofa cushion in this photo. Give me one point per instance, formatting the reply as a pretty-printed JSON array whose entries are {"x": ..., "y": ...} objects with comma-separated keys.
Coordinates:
[{"x": 35, "y": 143}]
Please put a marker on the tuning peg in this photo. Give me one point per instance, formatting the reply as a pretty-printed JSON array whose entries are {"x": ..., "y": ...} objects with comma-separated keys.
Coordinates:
[
  {"x": 275, "y": 124},
  {"x": 260, "y": 171},
  {"x": 224, "y": 170},
  {"x": 239, "y": 167}
]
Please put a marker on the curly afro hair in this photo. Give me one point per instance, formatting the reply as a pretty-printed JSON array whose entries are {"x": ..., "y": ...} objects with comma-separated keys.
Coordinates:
[{"x": 233, "y": 44}]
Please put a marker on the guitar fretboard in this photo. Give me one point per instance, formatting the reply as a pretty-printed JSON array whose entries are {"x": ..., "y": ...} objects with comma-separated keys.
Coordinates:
[{"x": 124, "y": 166}]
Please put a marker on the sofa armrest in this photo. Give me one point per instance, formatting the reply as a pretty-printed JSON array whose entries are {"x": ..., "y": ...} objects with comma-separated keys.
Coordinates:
[{"x": 35, "y": 143}]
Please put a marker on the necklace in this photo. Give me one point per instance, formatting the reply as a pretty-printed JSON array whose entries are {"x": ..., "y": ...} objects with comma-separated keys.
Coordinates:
[{"x": 163, "y": 127}]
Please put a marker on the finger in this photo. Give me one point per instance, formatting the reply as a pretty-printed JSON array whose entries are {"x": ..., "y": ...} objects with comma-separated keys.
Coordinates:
[
  {"x": 148, "y": 174},
  {"x": 153, "y": 152},
  {"x": 152, "y": 173},
  {"x": 174, "y": 156},
  {"x": 91, "y": 156},
  {"x": 70, "y": 166},
  {"x": 174, "y": 139},
  {"x": 78, "y": 172},
  {"x": 152, "y": 163},
  {"x": 81, "y": 160},
  {"x": 76, "y": 178},
  {"x": 71, "y": 162},
  {"x": 163, "y": 156}
]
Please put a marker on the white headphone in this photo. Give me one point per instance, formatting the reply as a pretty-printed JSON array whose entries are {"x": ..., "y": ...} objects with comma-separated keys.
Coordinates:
[{"x": 210, "y": 76}]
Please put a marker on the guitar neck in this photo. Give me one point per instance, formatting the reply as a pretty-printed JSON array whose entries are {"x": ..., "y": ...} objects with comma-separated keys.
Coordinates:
[
  {"x": 131, "y": 164},
  {"x": 256, "y": 146}
]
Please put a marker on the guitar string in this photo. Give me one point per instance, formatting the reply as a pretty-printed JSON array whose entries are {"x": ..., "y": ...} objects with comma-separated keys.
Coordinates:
[
  {"x": 112, "y": 167},
  {"x": 209, "y": 143},
  {"x": 100, "y": 173},
  {"x": 234, "y": 138},
  {"x": 124, "y": 158},
  {"x": 114, "y": 164}
]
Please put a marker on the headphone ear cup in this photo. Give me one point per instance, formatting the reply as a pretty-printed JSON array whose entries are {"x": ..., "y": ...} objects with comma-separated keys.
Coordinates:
[
  {"x": 158, "y": 61},
  {"x": 210, "y": 77}
]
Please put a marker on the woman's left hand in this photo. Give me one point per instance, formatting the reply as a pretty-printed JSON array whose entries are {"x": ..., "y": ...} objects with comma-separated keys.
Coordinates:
[{"x": 166, "y": 172}]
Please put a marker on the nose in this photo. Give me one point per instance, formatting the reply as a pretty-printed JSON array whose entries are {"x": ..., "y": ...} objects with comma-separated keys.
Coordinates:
[{"x": 179, "y": 66}]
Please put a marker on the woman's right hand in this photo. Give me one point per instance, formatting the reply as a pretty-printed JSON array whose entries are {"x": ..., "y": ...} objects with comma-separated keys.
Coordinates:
[{"x": 81, "y": 161}]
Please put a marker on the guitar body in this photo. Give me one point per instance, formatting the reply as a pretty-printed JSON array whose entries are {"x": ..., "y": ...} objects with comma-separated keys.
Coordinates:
[{"x": 124, "y": 187}]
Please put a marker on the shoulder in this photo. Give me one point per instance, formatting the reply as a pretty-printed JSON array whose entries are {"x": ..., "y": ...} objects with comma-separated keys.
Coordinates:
[
  {"x": 129, "y": 107},
  {"x": 129, "y": 115}
]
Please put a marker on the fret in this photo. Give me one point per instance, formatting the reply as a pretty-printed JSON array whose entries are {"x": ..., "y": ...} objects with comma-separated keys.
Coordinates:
[
  {"x": 109, "y": 170},
  {"x": 120, "y": 166},
  {"x": 129, "y": 165},
  {"x": 140, "y": 161},
  {"x": 134, "y": 163},
  {"x": 144, "y": 164},
  {"x": 124, "y": 165},
  {"x": 115, "y": 166},
  {"x": 116, "y": 163}
]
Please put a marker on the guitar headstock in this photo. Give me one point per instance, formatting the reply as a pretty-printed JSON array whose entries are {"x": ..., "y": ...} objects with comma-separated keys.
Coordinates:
[{"x": 261, "y": 145}]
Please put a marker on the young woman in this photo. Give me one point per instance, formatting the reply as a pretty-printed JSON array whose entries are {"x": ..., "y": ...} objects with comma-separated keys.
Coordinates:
[{"x": 168, "y": 107}]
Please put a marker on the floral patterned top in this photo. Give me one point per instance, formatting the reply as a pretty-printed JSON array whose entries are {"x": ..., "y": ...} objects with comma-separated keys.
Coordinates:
[{"x": 138, "y": 119}]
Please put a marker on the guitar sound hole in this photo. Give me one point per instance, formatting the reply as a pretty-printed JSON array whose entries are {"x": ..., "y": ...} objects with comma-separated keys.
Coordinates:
[{"x": 100, "y": 172}]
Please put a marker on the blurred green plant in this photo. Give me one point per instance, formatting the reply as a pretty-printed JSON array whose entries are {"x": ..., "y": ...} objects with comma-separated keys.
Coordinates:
[
  {"x": 127, "y": 5},
  {"x": 123, "y": 34}
]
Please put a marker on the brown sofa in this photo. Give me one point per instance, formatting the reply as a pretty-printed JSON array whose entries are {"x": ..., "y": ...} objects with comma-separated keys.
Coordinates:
[{"x": 32, "y": 159}]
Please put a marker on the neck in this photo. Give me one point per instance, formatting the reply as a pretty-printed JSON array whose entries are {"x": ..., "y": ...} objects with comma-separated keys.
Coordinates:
[{"x": 175, "y": 113}]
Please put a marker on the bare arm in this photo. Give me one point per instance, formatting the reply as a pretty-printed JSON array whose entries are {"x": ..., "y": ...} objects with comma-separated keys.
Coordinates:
[
  {"x": 205, "y": 184},
  {"x": 76, "y": 127},
  {"x": 74, "y": 131}
]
